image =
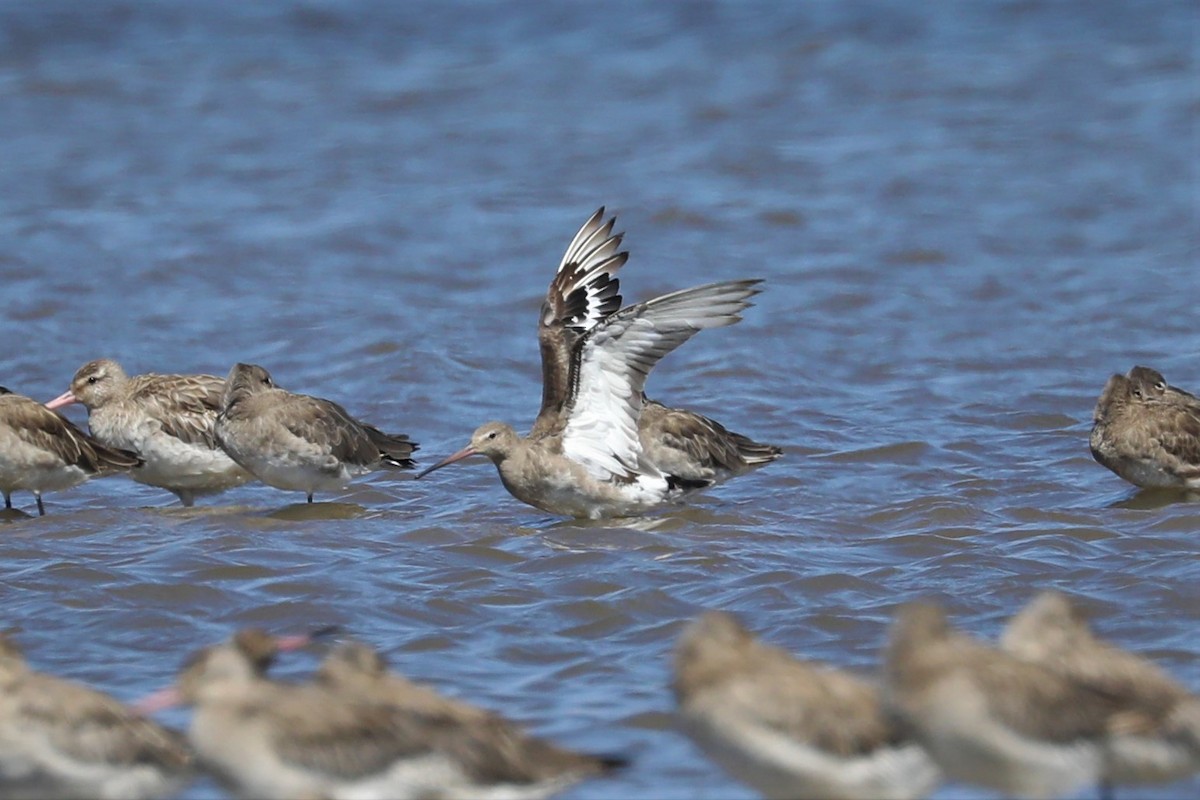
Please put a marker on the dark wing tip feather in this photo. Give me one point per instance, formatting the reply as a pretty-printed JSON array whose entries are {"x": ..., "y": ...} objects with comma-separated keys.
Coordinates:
[
  {"x": 394, "y": 449},
  {"x": 116, "y": 458},
  {"x": 585, "y": 288},
  {"x": 584, "y": 301},
  {"x": 756, "y": 452},
  {"x": 397, "y": 462},
  {"x": 676, "y": 483},
  {"x": 611, "y": 762}
]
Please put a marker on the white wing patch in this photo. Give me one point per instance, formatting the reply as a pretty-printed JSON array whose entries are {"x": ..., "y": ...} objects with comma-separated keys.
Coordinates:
[
  {"x": 602, "y": 432},
  {"x": 612, "y": 364}
]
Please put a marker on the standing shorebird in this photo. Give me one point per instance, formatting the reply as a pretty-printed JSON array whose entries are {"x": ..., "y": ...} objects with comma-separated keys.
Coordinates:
[
  {"x": 990, "y": 718},
  {"x": 1148, "y": 432},
  {"x": 297, "y": 442},
  {"x": 62, "y": 739},
  {"x": 242, "y": 728},
  {"x": 598, "y": 448},
  {"x": 588, "y": 461},
  {"x": 168, "y": 420},
  {"x": 486, "y": 754},
  {"x": 42, "y": 451},
  {"x": 1164, "y": 745},
  {"x": 275, "y": 740},
  {"x": 788, "y": 728},
  {"x": 582, "y": 295}
]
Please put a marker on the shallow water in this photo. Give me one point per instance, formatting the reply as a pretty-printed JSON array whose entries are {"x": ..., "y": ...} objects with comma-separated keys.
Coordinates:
[{"x": 968, "y": 216}]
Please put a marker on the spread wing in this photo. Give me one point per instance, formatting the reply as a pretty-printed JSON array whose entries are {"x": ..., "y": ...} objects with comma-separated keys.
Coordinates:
[
  {"x": 584, "y": 292},
  {"x": 186, "y": 406},
  {"x": 611, "y": 362}
]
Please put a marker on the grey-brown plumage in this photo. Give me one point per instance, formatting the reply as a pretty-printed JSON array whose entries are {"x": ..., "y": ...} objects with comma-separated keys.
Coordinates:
[
  {"x": 590, "y": 463},
  {"x": 693, "y": 447},
  {"x": 62, "y": 739},
  {"x": 168, "y": 420},
  {"x": 1147, "y": 431},
  {"x": 489, "y": 749},
  {"x": 264, "y": 739},
  {"x": 267, "y": 739},
  {"x": 1052, "y": 631},
  {"x": 990, "y": 718},
  {"x": 585, "y": 291},
  {"x": 298, "y": 442},
  {"x": 359, "y": 669},
  {"x": 788, "y": 728},
  {"x": 42, "y": 451}
]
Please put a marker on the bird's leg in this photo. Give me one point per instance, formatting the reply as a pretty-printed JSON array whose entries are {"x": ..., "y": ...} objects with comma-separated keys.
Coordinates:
[
  {"x": 41, "y": 508},
  {"x": 310, "y": 497},
  {"x": 7, "y": 500}
]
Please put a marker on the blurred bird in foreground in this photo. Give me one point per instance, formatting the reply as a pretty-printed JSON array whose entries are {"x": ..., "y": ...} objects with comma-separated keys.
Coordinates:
[{"x": 789, "y": 728}]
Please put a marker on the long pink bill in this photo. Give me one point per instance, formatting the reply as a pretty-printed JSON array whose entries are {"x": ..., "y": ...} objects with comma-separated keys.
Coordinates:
[
  {"x": 466, "y": 452},
  {"x": 64, "y": 399},
  {"x": 158, "y": 701},
  {"x": 298, "y": 641}
]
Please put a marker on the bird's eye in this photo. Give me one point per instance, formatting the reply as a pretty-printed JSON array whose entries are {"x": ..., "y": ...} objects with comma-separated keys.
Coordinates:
[
  {"x": 492, "y": 435},
  {"x": 92, "y": 379},
  {"x": 1137, "y": 393},
  {"x": 1160, "y": 386}
]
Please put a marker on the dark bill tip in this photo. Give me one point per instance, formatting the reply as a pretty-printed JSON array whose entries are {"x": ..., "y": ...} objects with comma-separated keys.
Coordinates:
[{"x": 466, "y": 452}]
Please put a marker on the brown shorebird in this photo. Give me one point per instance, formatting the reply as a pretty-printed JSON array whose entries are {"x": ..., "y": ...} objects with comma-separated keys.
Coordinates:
[
  {"x": 297, "y": 442},
  {"x": 42, "y": 451},
  {"x": 1148, "y": 432},
  {"x": 168, "y": 420},
  {"x": 492, "y": 755},
  {"x": 359, "y": 669},
  {"x": 583, "y": 294},
  {"x": 62, "y": 739},
  {"x": 585, "y": 459},
  {"x": 1165, "y": 746},
  {"x": 273, "y": 740},
  {"x": 243, "y": 726},
  {"x": 788, "y": 728},
  {"x": 990, "y": 718}
]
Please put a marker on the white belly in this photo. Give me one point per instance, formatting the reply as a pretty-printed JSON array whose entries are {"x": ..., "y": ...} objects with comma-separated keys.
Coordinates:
[
  {"x": 25, "y": 466},
  {"x": 779, "y": 766},
  {"x": 171, "y": 463},
  {"x": 574, "y": 493}
]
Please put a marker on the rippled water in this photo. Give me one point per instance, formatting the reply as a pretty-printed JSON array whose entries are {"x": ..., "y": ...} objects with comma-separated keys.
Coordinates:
[{"x": 968, "y": 215}]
